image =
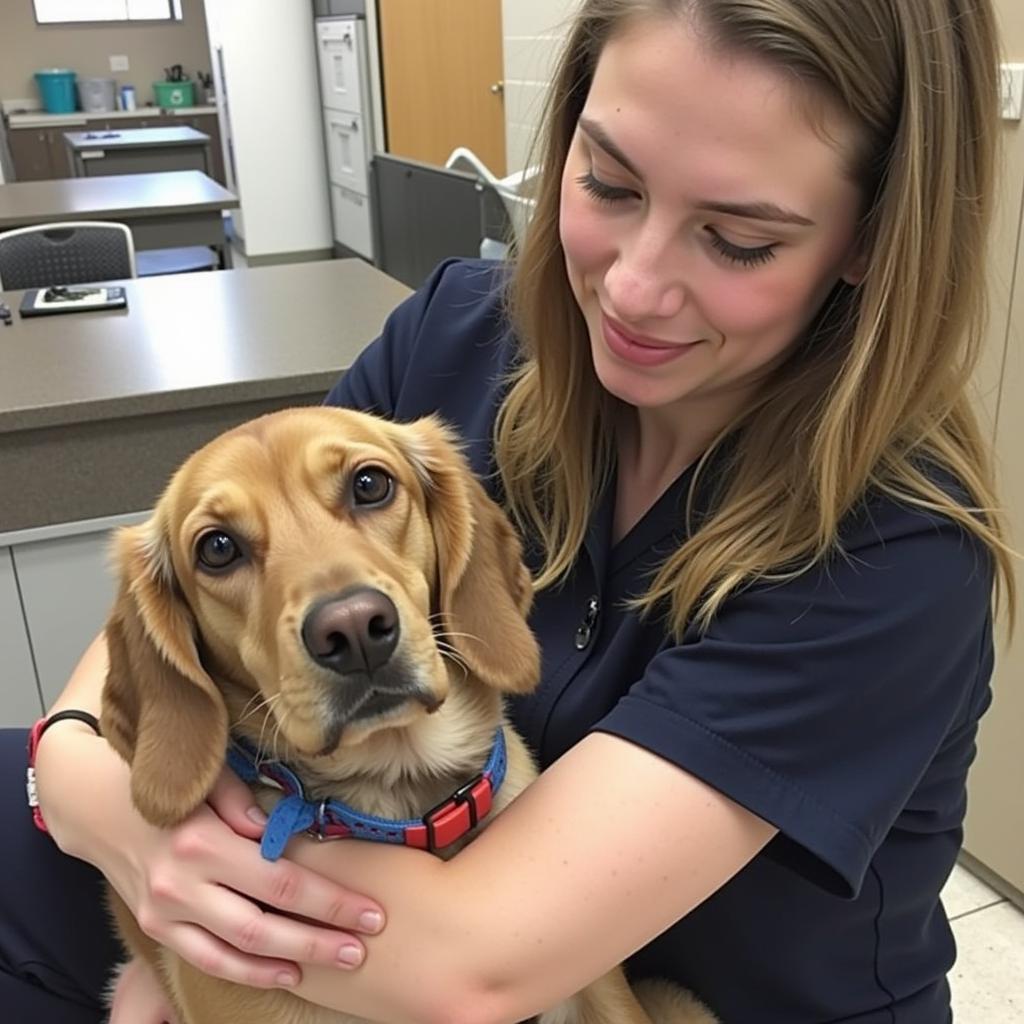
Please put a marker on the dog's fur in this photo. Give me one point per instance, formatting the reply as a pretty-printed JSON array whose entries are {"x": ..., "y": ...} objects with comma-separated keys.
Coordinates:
[{"x": 198, "y": 654}]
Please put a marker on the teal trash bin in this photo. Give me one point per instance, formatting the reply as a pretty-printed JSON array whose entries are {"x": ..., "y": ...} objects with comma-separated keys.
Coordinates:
[{"x": 57, "y": 88}]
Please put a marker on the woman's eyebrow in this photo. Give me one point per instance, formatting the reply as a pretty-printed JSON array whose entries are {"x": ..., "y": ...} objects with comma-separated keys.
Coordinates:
[
  {"x": 759, "y": 210},
  {"x": 598, "y": 135},
  {"x": 756, "y": 211}
]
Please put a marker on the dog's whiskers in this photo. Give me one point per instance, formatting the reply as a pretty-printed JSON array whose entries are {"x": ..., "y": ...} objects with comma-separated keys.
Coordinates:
[
  {"x": 449, "y": 653},
  {"x": 264, "y": 702},
  {"x": 266, "y": 718}
]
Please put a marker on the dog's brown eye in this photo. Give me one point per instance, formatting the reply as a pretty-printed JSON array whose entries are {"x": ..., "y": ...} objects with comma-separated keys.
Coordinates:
[
  {"x": 217, "y": 550},
  {"x": 371, "y": 486}
]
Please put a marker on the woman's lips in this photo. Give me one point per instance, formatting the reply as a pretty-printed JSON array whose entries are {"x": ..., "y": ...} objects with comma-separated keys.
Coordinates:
[{"x": 639, "y": 350}]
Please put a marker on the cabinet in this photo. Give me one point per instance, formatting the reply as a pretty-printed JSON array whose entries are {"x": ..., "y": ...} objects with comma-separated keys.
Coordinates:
[
  {"x": 66, "y": 592},
  {"x": 345, "y": 97},
  {"x": 39, "y": 153},
  {"x": 20, "y": 703}
]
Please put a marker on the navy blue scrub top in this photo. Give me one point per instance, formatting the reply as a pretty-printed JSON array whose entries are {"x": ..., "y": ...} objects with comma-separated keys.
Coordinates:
[{"x": 840, "y": 706}]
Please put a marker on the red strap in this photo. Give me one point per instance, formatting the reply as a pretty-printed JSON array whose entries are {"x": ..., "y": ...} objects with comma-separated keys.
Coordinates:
[{"x": 30, "y": 774}]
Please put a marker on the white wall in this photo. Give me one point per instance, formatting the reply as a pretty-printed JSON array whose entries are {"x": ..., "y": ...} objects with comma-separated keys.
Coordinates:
[
  {"x": 533, "y": 33},
  {"x": 275, "y": 119}
]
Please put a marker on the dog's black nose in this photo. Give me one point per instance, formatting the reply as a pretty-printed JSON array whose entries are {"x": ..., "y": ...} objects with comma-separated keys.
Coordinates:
[{"x": 356, "y": 632}]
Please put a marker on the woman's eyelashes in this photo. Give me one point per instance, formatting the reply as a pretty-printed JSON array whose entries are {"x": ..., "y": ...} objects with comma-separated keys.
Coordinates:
[{"x": 743, "y": 255}]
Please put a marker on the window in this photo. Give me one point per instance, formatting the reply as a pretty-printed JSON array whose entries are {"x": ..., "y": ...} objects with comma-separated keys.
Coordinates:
[{"x": 55, "y": 12}]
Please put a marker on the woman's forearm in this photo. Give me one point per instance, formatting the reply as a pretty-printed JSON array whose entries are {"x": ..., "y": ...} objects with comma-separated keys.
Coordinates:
[
  {"x": 78, "y": 775},
  {"x": 606, "y": 850}
]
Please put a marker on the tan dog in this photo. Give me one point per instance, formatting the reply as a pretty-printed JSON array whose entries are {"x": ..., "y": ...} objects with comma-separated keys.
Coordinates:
[{"x": 338, "y": 591}]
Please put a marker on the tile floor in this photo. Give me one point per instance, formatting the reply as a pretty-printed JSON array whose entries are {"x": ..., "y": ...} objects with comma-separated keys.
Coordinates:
[{"x": 988, "y": 977}]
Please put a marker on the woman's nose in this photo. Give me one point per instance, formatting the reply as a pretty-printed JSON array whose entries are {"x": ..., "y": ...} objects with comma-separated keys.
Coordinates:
[{"x": 646, "y": 282}]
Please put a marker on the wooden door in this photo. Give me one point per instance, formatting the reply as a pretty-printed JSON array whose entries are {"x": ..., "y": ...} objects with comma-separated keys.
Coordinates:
[{"x": 441, "y": 61}]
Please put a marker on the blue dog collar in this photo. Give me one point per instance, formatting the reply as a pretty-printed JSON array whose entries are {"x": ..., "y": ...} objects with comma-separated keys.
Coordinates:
[{"x": 331, "y": 819}]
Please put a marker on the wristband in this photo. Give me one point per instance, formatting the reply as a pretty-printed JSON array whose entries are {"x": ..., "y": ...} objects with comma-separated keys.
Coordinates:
[{"x": 34, "y": 736}]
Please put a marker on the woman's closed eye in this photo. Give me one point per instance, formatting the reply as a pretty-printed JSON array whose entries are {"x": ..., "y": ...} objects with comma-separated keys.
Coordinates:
[
  {"x": 604, "y": 192},
  {"x": 747, "y": 256}
]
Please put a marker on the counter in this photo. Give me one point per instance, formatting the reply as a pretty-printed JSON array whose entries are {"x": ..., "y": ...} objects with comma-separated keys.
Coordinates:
[
  {"x": 40, "y": 119},
  {"x": 98, "y": 409}
]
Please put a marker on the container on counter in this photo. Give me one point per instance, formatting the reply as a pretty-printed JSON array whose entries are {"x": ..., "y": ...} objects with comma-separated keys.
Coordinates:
[
  {"x": 173, "y": 94},
  {"x": 57, "y": 90},
  {"x": 98, "y": 95}
]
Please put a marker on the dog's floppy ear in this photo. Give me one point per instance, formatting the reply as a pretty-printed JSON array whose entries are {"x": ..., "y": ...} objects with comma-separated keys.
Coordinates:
[
  {"x": 161, "y": 711},
  {"x": 485, "y": 590}
]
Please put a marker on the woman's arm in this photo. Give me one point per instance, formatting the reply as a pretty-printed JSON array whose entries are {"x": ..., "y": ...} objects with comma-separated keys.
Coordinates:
[
  {"x": 172, "y": 878},
  {"x": 605, "y": 851}
]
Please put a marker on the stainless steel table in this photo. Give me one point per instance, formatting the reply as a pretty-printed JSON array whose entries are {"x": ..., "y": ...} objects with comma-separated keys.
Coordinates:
[
  {"x": 164, "y": 210},
  {"x": 96, "y": 153}
]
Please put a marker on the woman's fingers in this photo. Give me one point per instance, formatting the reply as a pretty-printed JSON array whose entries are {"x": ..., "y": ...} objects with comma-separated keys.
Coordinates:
[
  {"x": 232, "y": 801},
  {"x": 219, "y": 959},
  {"x": 303, "y": 893},
  {"x": 260, "y": 936},
  {"x": 282, "y": 884}
]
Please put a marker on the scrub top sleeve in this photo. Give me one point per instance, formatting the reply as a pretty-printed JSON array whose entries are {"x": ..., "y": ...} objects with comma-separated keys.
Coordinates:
[
  {"x": 374, "y": 381},
  {"x": 819, "y": 703}
]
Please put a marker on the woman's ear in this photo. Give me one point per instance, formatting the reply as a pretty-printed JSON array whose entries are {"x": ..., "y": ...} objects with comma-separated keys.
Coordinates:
[
  {"x": 485, "y": 590},
  {"x": 161, "y": 711}
]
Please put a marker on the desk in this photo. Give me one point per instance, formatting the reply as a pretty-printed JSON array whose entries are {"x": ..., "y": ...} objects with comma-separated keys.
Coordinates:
[
  {"x": 94, "y": 153},
  {"x": 98, "y": 409},
  {"x": 164, "y": 210}
]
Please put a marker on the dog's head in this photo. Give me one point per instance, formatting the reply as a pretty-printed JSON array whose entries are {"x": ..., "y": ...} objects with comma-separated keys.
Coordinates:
[{"x": 326, "y": 564}]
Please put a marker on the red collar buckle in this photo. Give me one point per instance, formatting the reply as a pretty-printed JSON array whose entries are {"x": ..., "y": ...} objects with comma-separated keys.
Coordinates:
[{"x": 453, "y": 818}]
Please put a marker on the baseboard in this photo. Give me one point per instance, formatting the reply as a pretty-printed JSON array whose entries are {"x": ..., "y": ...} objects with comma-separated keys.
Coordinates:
[
  {"x": 991, "y": 879},
  {"x": 277, "y": 258}
]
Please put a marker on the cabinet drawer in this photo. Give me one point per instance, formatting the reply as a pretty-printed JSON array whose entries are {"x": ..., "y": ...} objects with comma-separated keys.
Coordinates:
[
  {"x": 339, "y": 60},
  {"x": 347, "y": 152},
  {"x": 353, "y": 220}
]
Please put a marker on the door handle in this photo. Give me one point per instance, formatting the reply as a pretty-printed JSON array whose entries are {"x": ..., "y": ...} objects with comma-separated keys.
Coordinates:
[{"x": 498, "y": 88}]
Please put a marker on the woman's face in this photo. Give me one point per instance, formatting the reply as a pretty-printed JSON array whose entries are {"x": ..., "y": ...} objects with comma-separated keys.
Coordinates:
[{"x": 704, "y": 220}]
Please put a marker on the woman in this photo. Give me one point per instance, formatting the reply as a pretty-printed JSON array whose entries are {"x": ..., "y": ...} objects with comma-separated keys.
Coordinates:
[{"x": 726, "y": 405}]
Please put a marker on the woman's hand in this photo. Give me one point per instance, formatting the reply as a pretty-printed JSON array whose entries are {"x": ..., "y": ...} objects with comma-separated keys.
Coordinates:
[{"x": 202, "y": 889}]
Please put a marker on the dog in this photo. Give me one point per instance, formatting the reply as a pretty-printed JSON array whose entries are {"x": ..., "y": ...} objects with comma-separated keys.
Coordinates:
[{"x": 331, "y": 597}]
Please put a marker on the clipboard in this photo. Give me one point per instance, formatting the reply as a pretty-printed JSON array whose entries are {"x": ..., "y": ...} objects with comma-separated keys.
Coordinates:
[{"x": 71, "y": 299}]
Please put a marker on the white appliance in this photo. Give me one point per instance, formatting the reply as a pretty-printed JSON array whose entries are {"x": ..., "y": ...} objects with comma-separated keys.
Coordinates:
[
  {"x": 350, "y": 127},
  {"x": 270, "y": 124}
]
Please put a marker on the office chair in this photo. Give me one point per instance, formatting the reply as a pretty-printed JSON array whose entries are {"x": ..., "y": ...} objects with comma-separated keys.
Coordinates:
[{"x": 81, "y": 252}]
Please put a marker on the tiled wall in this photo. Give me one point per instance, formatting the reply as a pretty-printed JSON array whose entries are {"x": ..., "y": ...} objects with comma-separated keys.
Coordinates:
[{"x": 533, "y": 30}]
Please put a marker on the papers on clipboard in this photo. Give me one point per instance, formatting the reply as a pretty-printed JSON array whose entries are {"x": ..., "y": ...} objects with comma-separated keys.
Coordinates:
[{"x": 71, "y": 299}]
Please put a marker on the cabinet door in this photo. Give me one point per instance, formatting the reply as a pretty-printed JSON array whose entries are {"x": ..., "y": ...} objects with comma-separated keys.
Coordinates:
[
  {"x": 340, "y": 71},
  {"x": 347, "y": 153},
  {"x": 60, "y": 155},
  {"x": 67, "y": 591},
  {"x": 30, "y": 153},
  {"x": 19, "y": 693}
]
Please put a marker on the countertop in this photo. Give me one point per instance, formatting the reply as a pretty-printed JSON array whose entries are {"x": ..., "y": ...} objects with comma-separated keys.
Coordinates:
[
  {"x": 111, "y": 196},
  {"x": 192, "y": 339},
  {"x": 97, "y": 409},
  {"x": 40, "y": 119},
  {"x": 136, "y": 138}
]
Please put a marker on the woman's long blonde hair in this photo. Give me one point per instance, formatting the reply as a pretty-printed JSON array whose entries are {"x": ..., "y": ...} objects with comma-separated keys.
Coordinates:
[{"x": 876, "y": 394}]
